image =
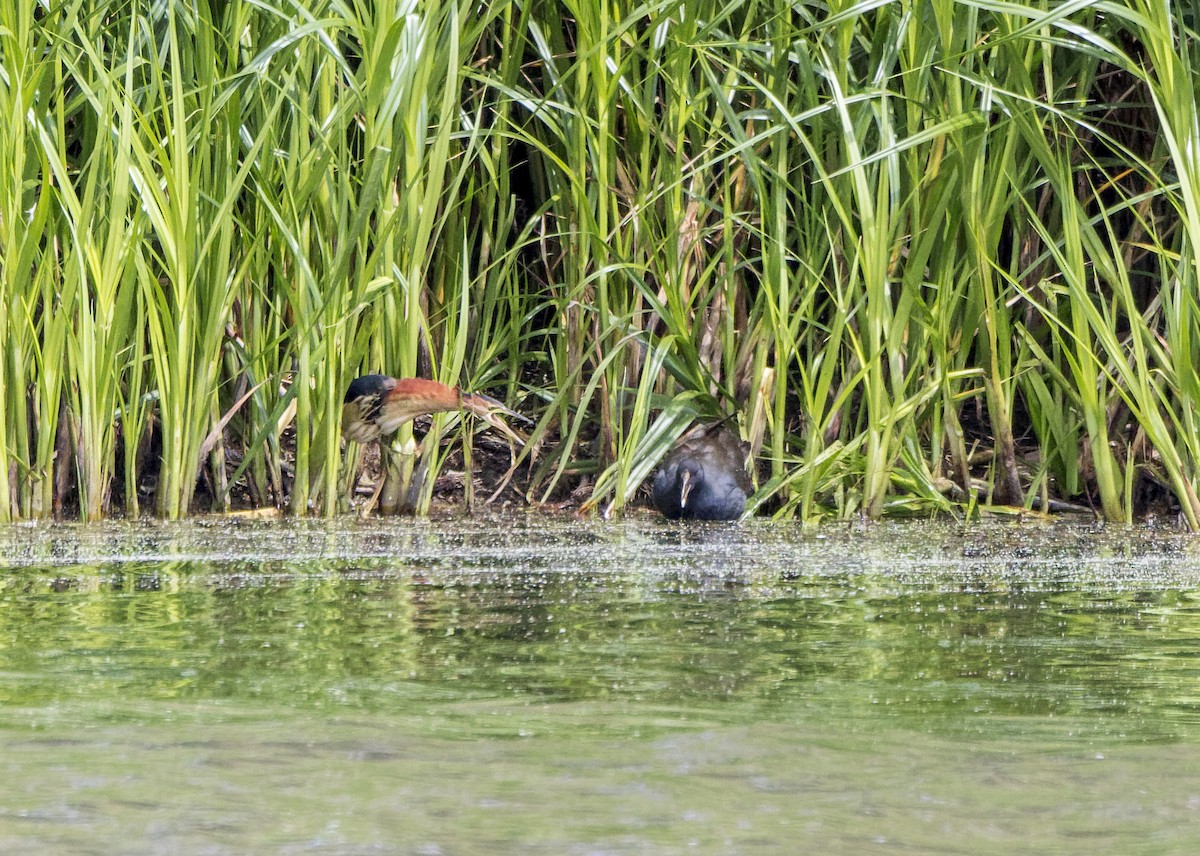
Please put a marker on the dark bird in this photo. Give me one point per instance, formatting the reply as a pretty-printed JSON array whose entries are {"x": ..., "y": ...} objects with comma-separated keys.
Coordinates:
[
  {"x": 704, "y": 476},
  {"x": 377, "y": 404}
]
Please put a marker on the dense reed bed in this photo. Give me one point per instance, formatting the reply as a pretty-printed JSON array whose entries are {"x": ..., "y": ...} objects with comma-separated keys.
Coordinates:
[{"x": 931, "y": 254}]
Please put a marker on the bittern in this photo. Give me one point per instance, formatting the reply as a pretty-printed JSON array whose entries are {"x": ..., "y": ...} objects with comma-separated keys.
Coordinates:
[
  {"x": 377, "y": 404},
  {"x": 704, "y": 476}
]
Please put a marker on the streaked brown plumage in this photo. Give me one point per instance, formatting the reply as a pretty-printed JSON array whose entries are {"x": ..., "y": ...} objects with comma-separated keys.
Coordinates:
[
  {"x": 704, "y": 476},
  {"x": 378, "y": 404}
]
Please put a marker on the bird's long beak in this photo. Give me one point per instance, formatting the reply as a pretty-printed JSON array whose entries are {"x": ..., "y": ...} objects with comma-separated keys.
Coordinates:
[
  {"x": 685, "y": 488},
  {"x": 492, "y": 412}
]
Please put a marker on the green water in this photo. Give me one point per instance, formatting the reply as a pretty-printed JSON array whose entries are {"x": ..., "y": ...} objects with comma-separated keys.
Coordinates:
[{"x": 550, "y": 686}]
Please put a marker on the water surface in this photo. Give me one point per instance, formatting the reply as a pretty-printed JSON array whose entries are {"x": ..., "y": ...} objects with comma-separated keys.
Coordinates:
[{"x": 527, "y": 684}]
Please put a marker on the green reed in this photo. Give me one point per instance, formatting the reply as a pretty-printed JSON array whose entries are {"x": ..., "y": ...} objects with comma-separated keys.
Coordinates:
[{"x": 925, "y": 255}]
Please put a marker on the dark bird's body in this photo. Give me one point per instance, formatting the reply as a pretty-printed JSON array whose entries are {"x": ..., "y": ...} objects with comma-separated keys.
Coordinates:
[
  {"x": 377, "y": 404},
  {"x": 704, "y": 477}
]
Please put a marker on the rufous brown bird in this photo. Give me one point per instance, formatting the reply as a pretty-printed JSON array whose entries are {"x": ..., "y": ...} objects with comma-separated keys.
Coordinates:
[
  {"x": 704, "y": 476},
  {"x": 377, "y": 404}
]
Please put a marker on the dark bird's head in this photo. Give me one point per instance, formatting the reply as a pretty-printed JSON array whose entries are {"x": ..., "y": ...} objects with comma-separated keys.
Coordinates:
[
  {"x": 703, "y": 477},
  {"x": 675, "y": 484}
]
